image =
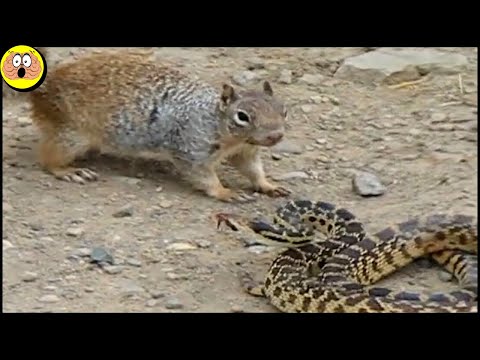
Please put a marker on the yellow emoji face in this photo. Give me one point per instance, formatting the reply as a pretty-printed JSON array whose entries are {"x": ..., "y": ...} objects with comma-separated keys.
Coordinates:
[{"x": 23, "y": 68}]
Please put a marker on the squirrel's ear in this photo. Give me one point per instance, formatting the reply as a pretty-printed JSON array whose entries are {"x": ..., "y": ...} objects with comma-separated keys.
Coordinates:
[
  {"x": 267, "y": 88},
  {"x": 228, "y": 95}
]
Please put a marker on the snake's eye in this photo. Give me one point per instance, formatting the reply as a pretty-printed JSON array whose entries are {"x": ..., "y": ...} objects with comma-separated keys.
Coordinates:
[{"x": 241, "y": 118}]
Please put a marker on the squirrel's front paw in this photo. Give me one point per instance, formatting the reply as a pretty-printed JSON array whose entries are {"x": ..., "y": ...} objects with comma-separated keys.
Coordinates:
[
  {"x": 274, "y": 190},
  {"x": 228, "y": 195}
]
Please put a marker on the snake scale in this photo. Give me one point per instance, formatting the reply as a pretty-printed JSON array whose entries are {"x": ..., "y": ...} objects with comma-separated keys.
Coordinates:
[{"x": 337, "y": 274}]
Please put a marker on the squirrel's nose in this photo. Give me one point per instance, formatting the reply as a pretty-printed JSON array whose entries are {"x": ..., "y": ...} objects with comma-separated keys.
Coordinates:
[{"x": 274, "y": 138}]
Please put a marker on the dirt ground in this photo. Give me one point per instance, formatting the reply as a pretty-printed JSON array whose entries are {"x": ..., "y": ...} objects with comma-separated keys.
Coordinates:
[{"x": 168, "y": 255}]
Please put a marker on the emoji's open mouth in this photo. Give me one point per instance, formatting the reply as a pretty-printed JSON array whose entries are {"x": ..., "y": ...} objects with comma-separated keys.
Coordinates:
[{"x": 21, "y": 72}]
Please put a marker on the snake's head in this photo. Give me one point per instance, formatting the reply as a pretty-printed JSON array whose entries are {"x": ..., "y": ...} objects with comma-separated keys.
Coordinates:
[{"x": 232, "y": 221}]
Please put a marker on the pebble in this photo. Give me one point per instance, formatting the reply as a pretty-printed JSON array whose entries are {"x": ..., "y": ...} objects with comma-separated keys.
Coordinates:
[
  {"x": 306, "y": 108},
  {"x": 151, "y": 303},
  {"x": 101, "y": 255},
  {"x": 50, "y": 288},
  {"x": 236, "y": 309},
  {"x": 157, "y": 294},
  {"x": 7, "y": 207},
  {"x": 165, "y": 204},
  {"x": 131, "y": 288},
  {"x": 29, "y": 276},
  {"x": 445, "y": 276},
  {"x": 180, "y": 246},
  {"x": 24, "y": 121},
  {"x": 75, "y": 231},
  {"x": 292, "y": 175},
  {"x": 173, "y": 276},
  {"x": 113, "y": 269},
  {"x": 82, "y": 252},
  {"x": 276, "y": 156},
  {"x": 321, "y": 141},
  {"x": 438, "y": 117},
  {"x": 367, "y": 184},
  {"x": 134, "y": 262},
  {"x": 245, "y": 77},
  {"x": 255, "y": 63},
  {"x": 7, "y": 245},
  {"x": 203, "y": 243},
  {"x": 124, "y": 211},
  {"x": 323, "y": 159},
  {"x": 173, "y": 303},
  {"x": 50, "y": 298},
  {"x": 317, "y": 99},
  {"x": 288, "y": 147},
  {"x": 159, "y": 189},
  {"x": 258, "y": 249},
  {"x": 285, "y": 77},
  {"x": 312, "y": 79},
  {"x": 89, "y": 289}
]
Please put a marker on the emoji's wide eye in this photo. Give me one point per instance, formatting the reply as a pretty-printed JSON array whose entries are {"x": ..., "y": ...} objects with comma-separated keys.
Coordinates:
[
  {"x": 17, "y": 60},
  {"x": 27, "y": 60}
]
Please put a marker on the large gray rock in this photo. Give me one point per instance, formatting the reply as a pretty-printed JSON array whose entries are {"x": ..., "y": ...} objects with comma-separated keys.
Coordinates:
[{"x": 393, "y": 65}]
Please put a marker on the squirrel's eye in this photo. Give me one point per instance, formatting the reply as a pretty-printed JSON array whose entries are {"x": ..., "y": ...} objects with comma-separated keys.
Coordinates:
[{"x": 241, "y": 118}]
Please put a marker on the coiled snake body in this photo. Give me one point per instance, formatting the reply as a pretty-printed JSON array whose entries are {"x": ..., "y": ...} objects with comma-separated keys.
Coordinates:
[{"x": 337, "y": 274}]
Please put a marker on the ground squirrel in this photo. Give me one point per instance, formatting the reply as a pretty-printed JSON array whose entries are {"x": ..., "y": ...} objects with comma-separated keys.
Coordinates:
[{"x": 128, "y": 103}]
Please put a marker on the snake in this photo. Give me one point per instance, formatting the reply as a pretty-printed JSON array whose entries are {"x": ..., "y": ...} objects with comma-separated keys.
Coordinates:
[{"x": 330, "y": 263}]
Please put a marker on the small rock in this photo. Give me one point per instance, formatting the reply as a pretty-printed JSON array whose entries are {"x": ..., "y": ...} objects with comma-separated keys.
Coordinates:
[
  {"x": 258, "y": 249},
  {"x": 287, "y": 146},
  {"x": 173, "y": 303},
  {"x": 82, "y": 252},
  {"x": 285, "y": 77},
  {"x": 438, "y": 117},
  {"x": 75, "y": 231},
  {"x": 157, "y": 294},
  {"x": 317, "y": 99},
  {"x": 165, "y": 204},
  {"x": 7, "y": 207},
  {"x": 124, "y": 211},
  {"x": 276, "y": 156},
  {"x": 159, "y": 189},
  {"x": 101, "y": 255},
  {"x": 306, "y": 108},
  {"x": 255, "y": 63},
  {"x": 180, "y": 246},
  {"x": 128, "y": 180},
  {"x": 323, "y": 159},
  {"x": 89, "y": 289},
  {"x": 394, "y": 65},
  {"x": 131, "y": 288},
  {"x": 236, "y": 309},
  {"x": 113, "y": 269},
  {"x": 7, "y": 245},
  {"x": 202, "y": 243},
  {"x": 29, "y": 276},
  {"x": 367, "y": 184},
  {"x": 50, "y": 298},
  {"x": 24, "y": 121},
  {"x": 334, "y": 100},
  {"x": 245, "y": 77},
  {"x": 151, "y": 303},
  {"x": 173, "y": 276},
  {"x": 134, "y": 262},
  {"x": 321, "y": 141},
  {"x": 445, "y": 276},
  {"x": 292, "y": 175},
  {"x": 312, "y": 79}
]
